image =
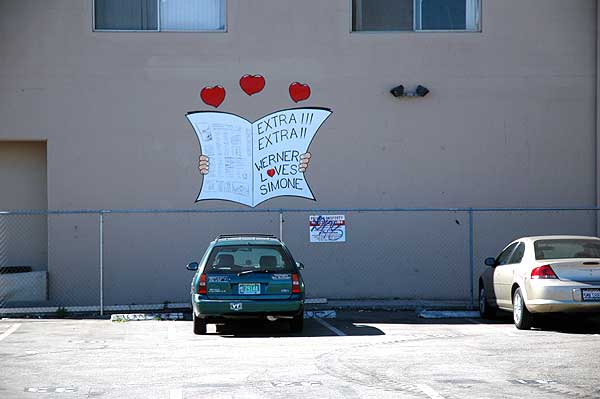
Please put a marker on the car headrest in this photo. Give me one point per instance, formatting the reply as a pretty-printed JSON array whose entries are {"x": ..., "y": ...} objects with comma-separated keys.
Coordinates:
[
  {"x": 225, "y": 260},
  {"x": 268, "y": 261}
]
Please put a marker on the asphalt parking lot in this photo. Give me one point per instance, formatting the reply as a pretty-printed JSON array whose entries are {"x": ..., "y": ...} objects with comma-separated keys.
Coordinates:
[{"x": 356, "y": 355}]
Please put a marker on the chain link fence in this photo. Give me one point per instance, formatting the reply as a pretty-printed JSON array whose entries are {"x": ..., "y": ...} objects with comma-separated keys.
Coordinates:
[{"x": 96, "y": 261}]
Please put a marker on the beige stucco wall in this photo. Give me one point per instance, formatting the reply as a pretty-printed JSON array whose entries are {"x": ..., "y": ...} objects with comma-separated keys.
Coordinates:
[
  {"x": 504, "y": 109},
  {"x": 510, "y": 122},
  {"x": 23, "y": 175}
]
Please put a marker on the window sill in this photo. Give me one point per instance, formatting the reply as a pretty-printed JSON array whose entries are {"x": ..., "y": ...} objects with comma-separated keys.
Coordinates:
[
  {"x": 411, "y": 31},
  {"x": 157, "y": 31}
]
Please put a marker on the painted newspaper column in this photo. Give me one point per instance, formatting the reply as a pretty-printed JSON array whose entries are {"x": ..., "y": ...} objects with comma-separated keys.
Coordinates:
[{"x": 252, "y": 162}]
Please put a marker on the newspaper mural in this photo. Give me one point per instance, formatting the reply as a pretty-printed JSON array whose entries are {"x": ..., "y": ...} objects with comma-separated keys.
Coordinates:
[{"x": 252, "y": 162}]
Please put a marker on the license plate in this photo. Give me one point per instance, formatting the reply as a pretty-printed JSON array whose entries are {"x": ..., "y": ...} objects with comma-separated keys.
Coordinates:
[
  {"x": 591, "y": 294},
  {"x": 249, "y": 289}
]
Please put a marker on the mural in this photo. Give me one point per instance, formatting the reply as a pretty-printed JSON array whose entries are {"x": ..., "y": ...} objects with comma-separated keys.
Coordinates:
[{"x": 252, "y": 162}]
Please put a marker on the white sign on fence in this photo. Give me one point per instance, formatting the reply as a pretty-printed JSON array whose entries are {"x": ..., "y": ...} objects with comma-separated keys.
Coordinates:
[{"x": 327, "y": 228}]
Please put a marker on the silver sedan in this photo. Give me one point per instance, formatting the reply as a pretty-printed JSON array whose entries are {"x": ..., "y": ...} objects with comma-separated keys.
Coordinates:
[{"x": 546, "y": 274}]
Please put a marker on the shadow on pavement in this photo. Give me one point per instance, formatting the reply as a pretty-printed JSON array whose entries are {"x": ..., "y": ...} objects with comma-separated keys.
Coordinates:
[
  {"x": 569, "y": 324},
  {"x": 280, "y": 329},
  {"x": 560, "y": 322},
  {"x": 399, "y": 317}
]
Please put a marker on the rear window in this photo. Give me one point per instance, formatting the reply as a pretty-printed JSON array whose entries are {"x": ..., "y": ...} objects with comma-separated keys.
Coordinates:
[
  {"x": 235, "y": 259},
  {"x": 565, "y": 249}
]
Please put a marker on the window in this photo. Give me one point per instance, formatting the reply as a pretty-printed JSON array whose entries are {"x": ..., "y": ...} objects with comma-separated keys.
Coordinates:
[
  {"x": 566, "y": 249},
  {"x": 517, "y": 256},
  {"x": 505, "y": 255},
  {"x": 416, "y": 15},
  {"x": 244, "y": 258},
  {"x": 159, "y": 15}
]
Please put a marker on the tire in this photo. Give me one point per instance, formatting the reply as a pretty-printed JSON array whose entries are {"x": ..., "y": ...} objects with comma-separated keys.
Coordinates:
[
  {"x": 297, "y": 323},
  {"x": 221, "y": 328},
  {"x": 521, "y": 316},
  {"x": 485, "y": 309},
  {"x": 199, "y": 325}
]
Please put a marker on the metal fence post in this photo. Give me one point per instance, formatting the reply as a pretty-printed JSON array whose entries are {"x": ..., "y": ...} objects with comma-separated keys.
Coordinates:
[
  {"x": 471, "y": 255},
  {"x": 3, "y": 241},
  {"x": 281, "y": 225},
  {"x": 101, "y": 263}
]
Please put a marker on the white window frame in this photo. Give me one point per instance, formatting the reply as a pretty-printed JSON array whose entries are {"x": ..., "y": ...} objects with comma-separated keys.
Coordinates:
[
  {"x": 158, "y": 27},
  {"x": 416, "y": 22}
]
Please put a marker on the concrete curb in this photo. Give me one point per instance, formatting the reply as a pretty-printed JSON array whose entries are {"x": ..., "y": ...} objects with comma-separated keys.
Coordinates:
[
  {"x": 320, "y": 314},
  {"x": 145, "y": 316},
  {"x": 394, "y": 305},
  {"x": 448, "y": 314},
  {"x": 125, "y": 317},
  {"x": 311, "y": 304}
]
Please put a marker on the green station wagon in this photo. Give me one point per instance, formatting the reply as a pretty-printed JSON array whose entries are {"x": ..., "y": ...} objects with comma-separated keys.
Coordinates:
[{"x": 247, "y": 276}]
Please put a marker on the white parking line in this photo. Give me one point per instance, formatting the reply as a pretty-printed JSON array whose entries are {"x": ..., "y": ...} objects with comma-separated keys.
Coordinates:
[
  {"x": 330, "y": 327},
  {"x": 429, "y": 391},
  {"x": 11, "y": 330}
]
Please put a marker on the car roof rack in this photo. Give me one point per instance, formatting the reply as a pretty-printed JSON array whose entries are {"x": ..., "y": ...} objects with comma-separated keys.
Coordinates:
[{"x": 245, "y": 235}]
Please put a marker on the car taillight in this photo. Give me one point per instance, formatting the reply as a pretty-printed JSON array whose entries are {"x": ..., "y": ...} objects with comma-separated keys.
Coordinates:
[
  {"x": 202, "y": 284},
  {"x": 543, "y": 272},
  {"x": 295, "y": 284}
]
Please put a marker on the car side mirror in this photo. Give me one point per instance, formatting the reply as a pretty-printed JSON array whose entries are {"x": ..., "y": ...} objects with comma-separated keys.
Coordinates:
[
  {"x": 300, "y": 265},
  {"x": 193, "y": 266},
  {"x": 491, "y": 262}
]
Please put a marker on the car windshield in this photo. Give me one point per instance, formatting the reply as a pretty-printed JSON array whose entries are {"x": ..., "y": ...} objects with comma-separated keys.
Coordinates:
[
  {"x": 566, "y": 248},
  {"x": 248, "y": 258}
]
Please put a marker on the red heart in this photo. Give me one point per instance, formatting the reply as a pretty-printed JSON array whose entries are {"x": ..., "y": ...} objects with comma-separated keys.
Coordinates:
[
  {"x": 299, "y": 91},
  {"x": 252, "y": 84},
  {"x": 213, "y": 95},
  {"x": 271, "y": 172}
]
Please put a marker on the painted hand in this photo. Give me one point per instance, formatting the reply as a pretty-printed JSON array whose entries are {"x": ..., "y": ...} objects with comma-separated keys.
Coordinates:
[
  {"x": 304, "y": 160},
  {"x": 203, "y": 164}
]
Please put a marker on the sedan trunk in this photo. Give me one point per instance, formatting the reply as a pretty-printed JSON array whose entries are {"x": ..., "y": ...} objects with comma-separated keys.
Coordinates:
[{"x": 580, "y": 270}]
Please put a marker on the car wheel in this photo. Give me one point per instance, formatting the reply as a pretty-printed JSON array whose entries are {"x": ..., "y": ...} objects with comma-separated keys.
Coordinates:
[
  {"x": 199, "y": 325},
  {"x": 522, "y": 317},
  {"x": 222, "y": 327},
  {"x": 297, "y": 323},
  {"x": 485, "y": 309}
]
